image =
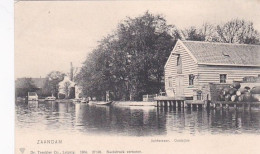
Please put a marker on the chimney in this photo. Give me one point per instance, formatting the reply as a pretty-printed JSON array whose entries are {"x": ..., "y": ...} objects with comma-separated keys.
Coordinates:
[{"x": 71, "y": 71}]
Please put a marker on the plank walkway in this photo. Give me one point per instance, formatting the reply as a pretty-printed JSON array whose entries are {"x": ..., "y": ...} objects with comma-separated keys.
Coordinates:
[{"x": 163, "y": 101}]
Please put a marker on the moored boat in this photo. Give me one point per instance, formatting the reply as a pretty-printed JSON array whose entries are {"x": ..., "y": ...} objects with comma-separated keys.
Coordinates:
[
  {"x": 76, "y": 100},
  {"x": 51, "y": 98},
  {"x": 84, "y": 100},
  {"x": 100, "y": 103},
  {"x": 104, "y": 103}
]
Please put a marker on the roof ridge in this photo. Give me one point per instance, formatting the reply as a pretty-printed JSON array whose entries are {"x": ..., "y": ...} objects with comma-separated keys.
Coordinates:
[{"x": 220, "y": 43}]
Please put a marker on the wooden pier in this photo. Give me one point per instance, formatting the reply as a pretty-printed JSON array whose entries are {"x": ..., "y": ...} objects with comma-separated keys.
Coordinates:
[
  {"x": 163, "y": 101},
  {"x": 196, "y": 103},
  {"x": 228, "y": 104}
]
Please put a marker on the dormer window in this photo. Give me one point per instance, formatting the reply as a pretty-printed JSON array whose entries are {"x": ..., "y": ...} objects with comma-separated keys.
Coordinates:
[{"x": 179, "y": 64}]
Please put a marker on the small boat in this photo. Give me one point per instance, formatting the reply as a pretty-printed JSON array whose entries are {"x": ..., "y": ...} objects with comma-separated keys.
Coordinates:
[
  {"x": 51, "y": 98},
  {"x": 84, "y": 100},
  {"x": 76, "y": 100},
  {"x": 104, "y": 103}
]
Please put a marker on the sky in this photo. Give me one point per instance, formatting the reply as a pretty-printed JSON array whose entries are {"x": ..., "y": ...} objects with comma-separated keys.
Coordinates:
[{"x": 51, "y": 34}]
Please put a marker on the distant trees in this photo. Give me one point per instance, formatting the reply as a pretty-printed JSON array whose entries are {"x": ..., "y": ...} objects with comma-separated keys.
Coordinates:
[
  {"x": 234, "y": 31},
  {"x": 238, "y": 31},
  {"x": 23, "y": 86},
  {"x": 130, "y": 62}
]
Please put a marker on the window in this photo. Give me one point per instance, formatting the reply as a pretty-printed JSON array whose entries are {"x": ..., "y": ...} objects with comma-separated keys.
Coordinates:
[
  {"x": 191, "y": 79},
  {"x": 179, "y": 64},
  {"x": 178, "y": 60},
  {"x": 199, "y": 95},
  {"x": 170, "y": 81},
  {"x": 223, "y": 78}
]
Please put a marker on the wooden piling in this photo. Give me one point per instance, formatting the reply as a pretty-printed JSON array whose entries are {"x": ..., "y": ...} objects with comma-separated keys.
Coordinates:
[
  {"x": 214, "y": 105},
  {"x": 185, "y": 105},
  {"x": 170, "y": 103}
]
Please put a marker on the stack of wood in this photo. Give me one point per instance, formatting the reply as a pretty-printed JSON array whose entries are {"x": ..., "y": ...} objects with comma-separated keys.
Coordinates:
[{"x": 235, "y": 93}]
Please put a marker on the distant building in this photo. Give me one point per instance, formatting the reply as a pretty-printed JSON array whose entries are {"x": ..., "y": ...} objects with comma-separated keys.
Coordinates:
[
  {"x": 192, "y": 64},
  {"x": 67, "y": 87}
]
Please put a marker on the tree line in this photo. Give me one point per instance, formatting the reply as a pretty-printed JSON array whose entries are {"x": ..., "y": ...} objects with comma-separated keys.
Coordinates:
[
  {"x": 50, "y": 86},
  {"x": 130, "y": 62}
]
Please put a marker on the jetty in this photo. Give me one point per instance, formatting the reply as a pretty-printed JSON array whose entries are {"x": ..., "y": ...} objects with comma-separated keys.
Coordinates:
[
  {"x": 164, "y": 101},
  {"x": 227, "y": 104},
  {"x": 179, "y": 102}
]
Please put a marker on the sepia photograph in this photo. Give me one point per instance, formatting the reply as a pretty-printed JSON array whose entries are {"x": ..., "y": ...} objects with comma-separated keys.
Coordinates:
[{"x": 136, "y": 76}]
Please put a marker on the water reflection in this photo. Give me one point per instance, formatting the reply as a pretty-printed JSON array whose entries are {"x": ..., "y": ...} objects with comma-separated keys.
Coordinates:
[{"x": 132, "y": 121}]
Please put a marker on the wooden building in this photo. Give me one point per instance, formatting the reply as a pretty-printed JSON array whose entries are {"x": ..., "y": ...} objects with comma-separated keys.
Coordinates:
[{"x": 193, "y": 64}]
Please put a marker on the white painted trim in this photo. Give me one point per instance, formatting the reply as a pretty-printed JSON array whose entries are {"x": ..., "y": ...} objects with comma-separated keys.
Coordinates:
[
  {"x": 221, "y": 64},
  {"x": 189, "y": 52},
  {"x": 171, "y": 53}
]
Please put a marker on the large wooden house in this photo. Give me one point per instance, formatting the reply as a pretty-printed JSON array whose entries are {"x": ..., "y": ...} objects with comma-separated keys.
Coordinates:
[{"x": 192, "y": 64}]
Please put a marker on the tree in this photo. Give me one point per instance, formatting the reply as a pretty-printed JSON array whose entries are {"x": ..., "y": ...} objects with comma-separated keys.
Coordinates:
[
  {"x": 129, "y": 62},
  {"x": 238, "y": 31},
  {"x": 52, "y": 84},
  {"x": 207, "y": 32},
  {"x": 193, "y": 33}
]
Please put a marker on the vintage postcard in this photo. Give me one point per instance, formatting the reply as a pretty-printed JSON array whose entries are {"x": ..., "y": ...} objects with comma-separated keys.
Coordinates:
[{"x": 137, "y": 77}]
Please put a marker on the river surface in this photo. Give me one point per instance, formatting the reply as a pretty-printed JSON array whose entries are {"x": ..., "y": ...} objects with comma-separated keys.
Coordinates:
[{"x": 54, "y": 117}]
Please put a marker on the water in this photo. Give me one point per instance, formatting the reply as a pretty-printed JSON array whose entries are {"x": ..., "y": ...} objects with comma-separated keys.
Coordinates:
[{"x": 54, "y": 117}]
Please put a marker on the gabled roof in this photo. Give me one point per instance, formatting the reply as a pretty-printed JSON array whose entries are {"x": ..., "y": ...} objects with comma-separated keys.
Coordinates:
[
  {"x": 66, "y": 79},
  {"x": 209, "y": 53}
]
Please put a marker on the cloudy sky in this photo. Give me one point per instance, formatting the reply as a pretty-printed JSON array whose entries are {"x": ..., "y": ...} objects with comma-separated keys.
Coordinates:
[{"x": 51, "y": 34}]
